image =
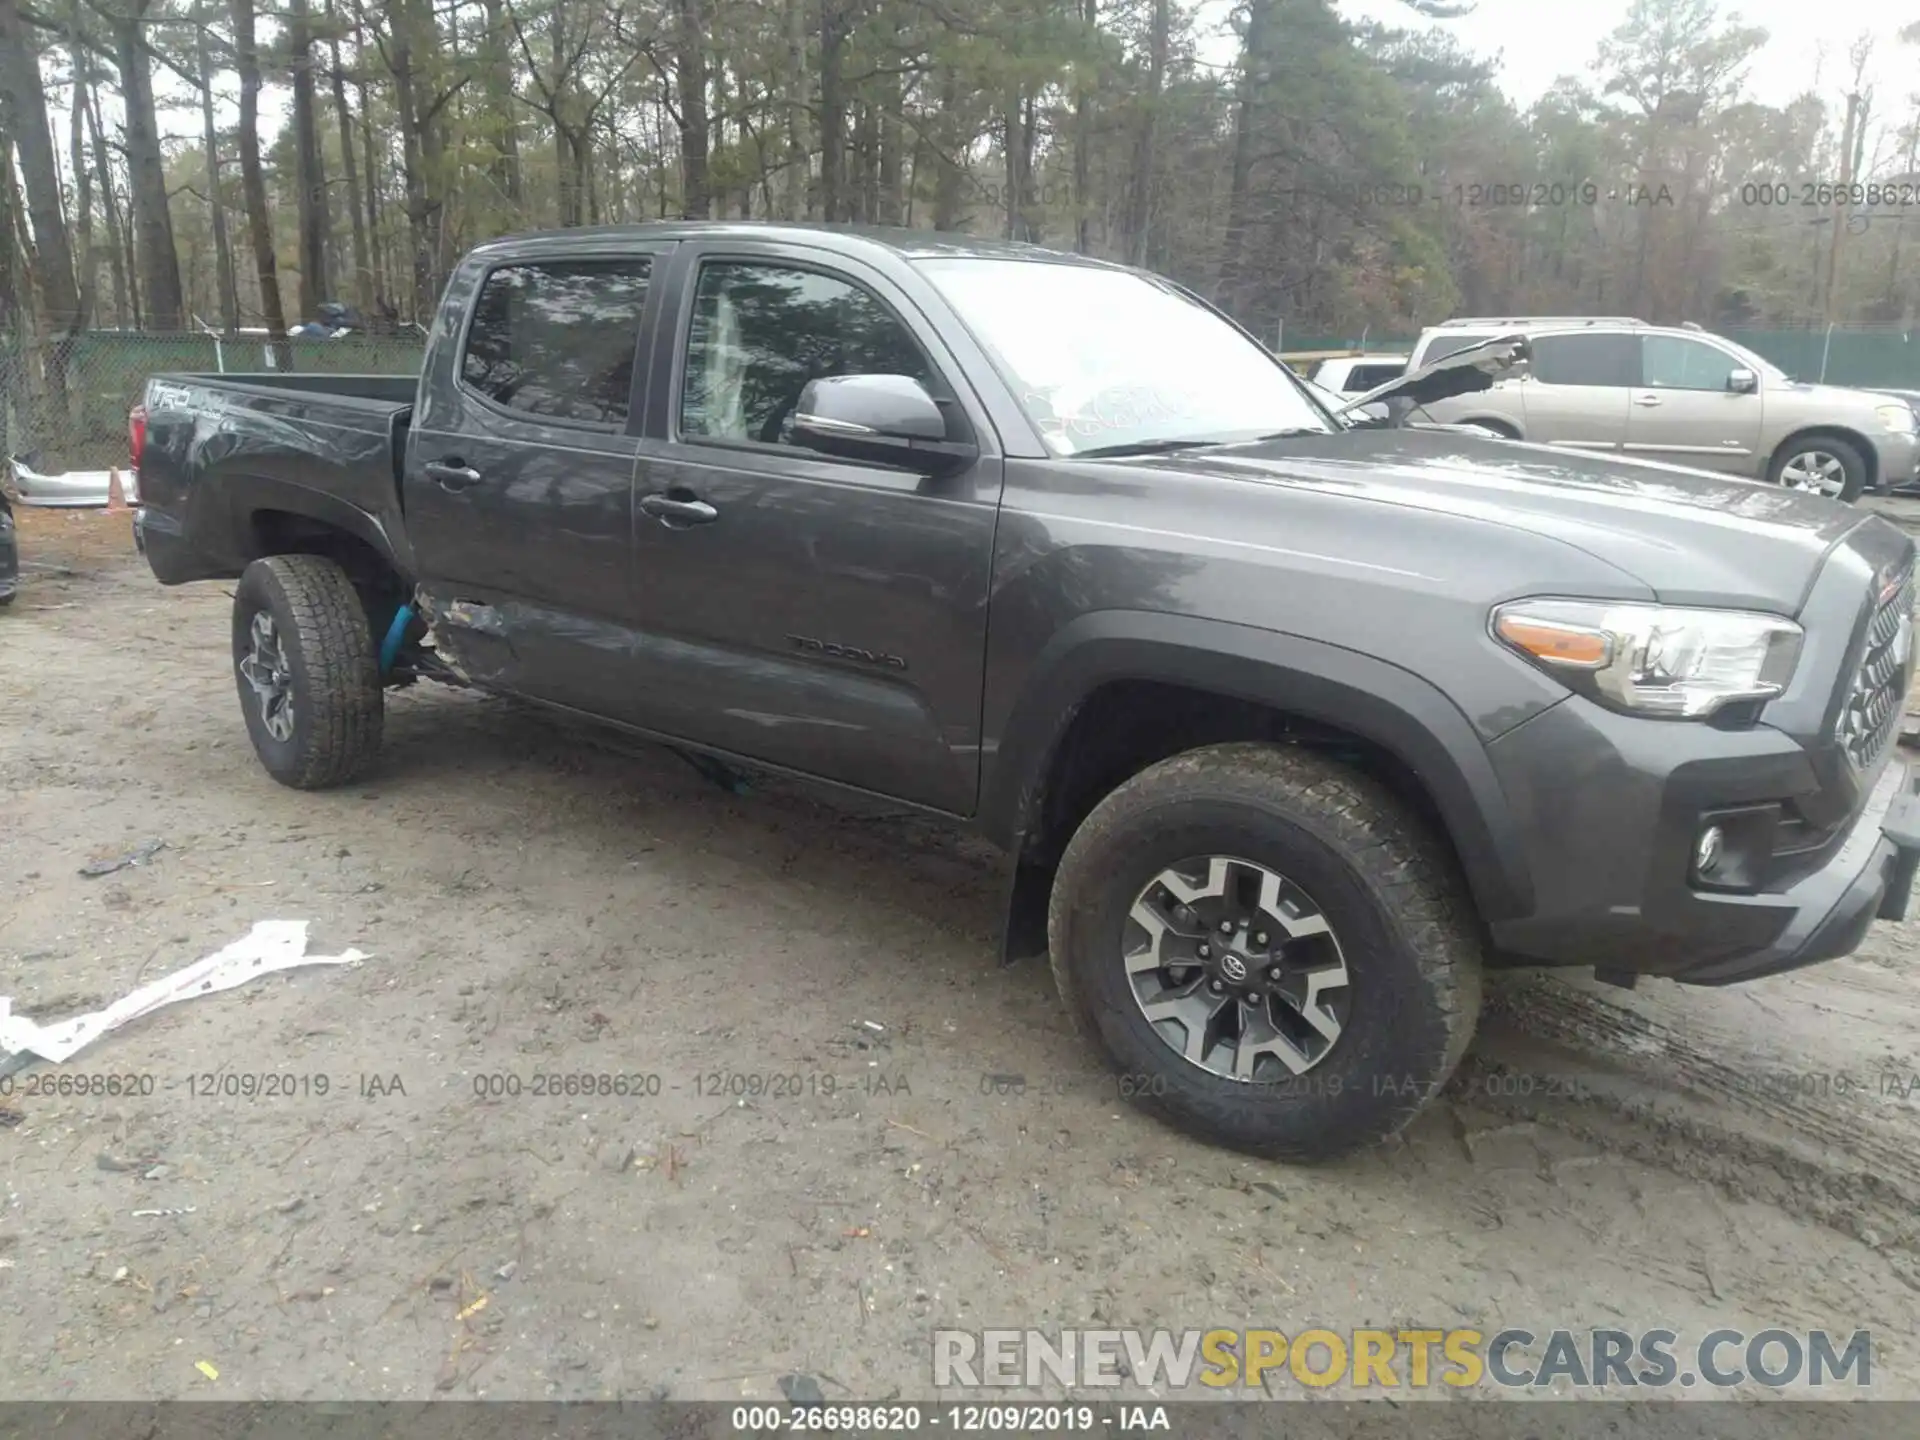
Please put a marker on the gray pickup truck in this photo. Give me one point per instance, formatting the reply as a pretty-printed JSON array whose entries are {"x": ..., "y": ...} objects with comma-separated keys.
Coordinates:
[{"x": 1289, "y": 727}]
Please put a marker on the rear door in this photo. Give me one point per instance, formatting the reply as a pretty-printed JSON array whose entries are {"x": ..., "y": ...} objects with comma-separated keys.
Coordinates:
[
  {"x": 1576, "y": 391},
  {"x": 815, "y": 613},
  {"x": 520, "y": 471},
  {"x": 1683, "y": 412}
]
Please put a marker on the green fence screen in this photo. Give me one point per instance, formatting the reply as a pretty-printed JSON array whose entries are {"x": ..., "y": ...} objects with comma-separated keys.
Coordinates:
[{"x": 1845, "y": 357}]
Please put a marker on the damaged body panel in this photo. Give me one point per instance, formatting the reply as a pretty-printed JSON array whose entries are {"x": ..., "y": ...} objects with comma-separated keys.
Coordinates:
[
  {"x": 71, "y": 489},
  {"x": 233, "y": 467}
]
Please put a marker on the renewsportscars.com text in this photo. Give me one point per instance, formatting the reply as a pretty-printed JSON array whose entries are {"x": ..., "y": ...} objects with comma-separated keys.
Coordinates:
[{"x": 1512, "y": 1358}]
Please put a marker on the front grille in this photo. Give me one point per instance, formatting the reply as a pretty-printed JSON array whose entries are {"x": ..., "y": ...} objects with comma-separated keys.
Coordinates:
[{"x": 1878, "y": 698}]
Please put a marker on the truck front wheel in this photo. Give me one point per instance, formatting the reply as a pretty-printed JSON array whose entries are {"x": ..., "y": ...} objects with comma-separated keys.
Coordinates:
[
  {"x": 309, "y": 679},
  {"x": 1274, "y": 953}
]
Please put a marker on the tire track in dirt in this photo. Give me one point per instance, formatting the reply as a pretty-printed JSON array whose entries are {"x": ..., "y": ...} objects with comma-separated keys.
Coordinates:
[{"x": 1796, "y": 1094}]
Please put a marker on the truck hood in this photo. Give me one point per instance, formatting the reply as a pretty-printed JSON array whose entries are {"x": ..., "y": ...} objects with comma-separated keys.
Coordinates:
[{"x": 1693, "y": 537}]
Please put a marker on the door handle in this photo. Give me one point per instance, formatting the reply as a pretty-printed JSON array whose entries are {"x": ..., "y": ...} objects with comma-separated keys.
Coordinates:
[
  {"x": 1646, "y": 399},
  {"x": 451, "y": 475},
  {"x": 675, "y": 511}
]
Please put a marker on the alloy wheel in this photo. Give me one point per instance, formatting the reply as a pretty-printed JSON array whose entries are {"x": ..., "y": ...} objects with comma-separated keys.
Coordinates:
[
  {"x": 1237, "y": 969},
  {"x": 1818, "y": 472},
  {"x": 265, "y": 670}
]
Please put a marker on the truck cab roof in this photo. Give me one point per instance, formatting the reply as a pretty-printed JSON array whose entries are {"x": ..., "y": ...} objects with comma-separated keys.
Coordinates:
[{"x": 848, "y": 239}]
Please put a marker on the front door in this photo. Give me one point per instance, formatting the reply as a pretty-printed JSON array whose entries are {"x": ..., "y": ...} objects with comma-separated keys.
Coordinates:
[
  {"x": 809, "y": 612},
  {"x": 1575, "y": 393},
  {"x": 1684, "y": 413},
  {"x": 519, "y": 479}
]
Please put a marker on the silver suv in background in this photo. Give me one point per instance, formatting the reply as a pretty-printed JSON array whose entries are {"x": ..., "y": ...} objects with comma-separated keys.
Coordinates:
[
  {"x": 1618, "y": 386},
  {"x": 1357, "y": 374}
]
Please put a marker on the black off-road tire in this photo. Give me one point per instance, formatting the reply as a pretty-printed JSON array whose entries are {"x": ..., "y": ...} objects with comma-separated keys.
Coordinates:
[
  {"x": 338, "y": 704},
  {"x": 1389, "y": 889}
]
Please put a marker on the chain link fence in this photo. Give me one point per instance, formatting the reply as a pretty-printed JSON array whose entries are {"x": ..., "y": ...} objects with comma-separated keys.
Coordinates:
[
  {"x": 1866, "y": 356},
  {"x": 64, "y": 402}
]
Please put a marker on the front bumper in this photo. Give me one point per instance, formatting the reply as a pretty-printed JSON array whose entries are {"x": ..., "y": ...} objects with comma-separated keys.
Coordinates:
[
  {"x": 1611, "y": 808},
  {"x": 1870, "y": 878},
  {"x": 1897, "y": 459}
]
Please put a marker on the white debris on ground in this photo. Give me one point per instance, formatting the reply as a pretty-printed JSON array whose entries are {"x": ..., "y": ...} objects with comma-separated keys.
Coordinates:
[{"x": 272, "y": 945}]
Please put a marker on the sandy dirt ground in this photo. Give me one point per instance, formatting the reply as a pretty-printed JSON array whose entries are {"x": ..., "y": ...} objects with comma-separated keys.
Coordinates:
[{"x": 810, "y": 1170}]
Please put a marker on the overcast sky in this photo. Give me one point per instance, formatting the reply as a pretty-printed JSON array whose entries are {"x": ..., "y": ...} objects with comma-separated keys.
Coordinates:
[{"x": 1807, "y": 46}]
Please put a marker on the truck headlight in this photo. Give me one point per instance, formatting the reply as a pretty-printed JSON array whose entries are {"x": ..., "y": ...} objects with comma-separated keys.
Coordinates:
[
  {"x": 1898, "y": 418},
  {"x": 1654, "y": 660}
]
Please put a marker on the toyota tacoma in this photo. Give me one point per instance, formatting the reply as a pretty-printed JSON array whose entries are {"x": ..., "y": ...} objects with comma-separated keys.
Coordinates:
[{"x": 1289, "y": 727}]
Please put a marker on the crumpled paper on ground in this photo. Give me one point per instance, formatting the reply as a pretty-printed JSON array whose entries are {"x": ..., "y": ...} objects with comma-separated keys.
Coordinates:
[{"x": 271, "y": 945}]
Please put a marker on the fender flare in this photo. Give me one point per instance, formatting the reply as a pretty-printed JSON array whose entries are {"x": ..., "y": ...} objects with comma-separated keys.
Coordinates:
[
  {"x": 1380, "y": 702},
  {"x": 258, "y": 493}
]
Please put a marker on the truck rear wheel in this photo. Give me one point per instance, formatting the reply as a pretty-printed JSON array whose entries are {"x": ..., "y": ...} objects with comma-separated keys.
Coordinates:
[
  {"x": 308, "y": 677},
  {"x": 1274, "y": 953}
]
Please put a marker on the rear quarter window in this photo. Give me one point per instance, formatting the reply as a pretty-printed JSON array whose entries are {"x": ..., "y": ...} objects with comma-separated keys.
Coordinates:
[
  {"x": 556, "y": 338},
  {"x": 1597, "y": 359}
]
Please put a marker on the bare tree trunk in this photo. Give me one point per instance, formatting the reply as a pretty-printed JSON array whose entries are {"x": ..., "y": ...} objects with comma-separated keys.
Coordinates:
[
  {"x": 382, "y": 289},
  {"x": 1140, "y": 193},
  {"x": 590, "y": 176},
  {"x": 572, "y": 207},
  {"x": 1253, "y": 78},
  {"x": 117, "y": 254},
  {"x": 1888, "y": 306},
  {"x": 947, "y": 195},
  {"x": 865, "y": 187},
  {"x": 690, "y": 79},
  {"x": 413, "y": 160},
  {"x": 85, "y": 270},
  {"x": 310, "y": 175},
  {"x": 506, "y": 125},
  {"x": 892, "y": 143},
  {"x": 23, "y": 113},
  {"x": 13, "y": 282},
  {"x": 1083, "y": 144},
  {"x": 1011, "y": 150},
  {"x": 226, "y": 286},
  {"x": 253, "y": 181},
  {"x": 833, "y": 114},
  {"x": 146, "y": 174},
  {"x": 350, "y": 172},
  {"x": 799, "y": 149}
]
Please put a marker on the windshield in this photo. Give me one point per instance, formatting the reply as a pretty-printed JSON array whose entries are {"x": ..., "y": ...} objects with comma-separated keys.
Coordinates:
[{"x": 1107, "y": 359}]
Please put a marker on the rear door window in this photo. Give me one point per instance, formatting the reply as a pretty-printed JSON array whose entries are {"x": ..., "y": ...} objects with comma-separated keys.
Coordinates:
[
  {"x": 1598, "y": 360},
  {"x": 556, "y": 338}
]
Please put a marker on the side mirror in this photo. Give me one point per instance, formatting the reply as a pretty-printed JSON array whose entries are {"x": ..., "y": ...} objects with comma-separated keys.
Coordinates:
[
  {"x": 879, "y": 420},
  {"x": 1742, "y": 381}
]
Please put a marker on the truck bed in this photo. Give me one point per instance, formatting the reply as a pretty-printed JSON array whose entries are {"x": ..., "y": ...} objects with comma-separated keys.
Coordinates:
[
  {"x": 232, "y": 459},
  {"x": 381, "y": 389}
]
